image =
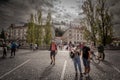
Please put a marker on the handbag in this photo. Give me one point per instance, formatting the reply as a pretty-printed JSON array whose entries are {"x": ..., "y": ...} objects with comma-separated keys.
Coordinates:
[{"x": 72, "y": 55}]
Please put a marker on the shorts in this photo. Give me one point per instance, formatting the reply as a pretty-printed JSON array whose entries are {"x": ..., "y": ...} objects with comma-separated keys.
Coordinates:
[
  {"x": 86, "y": 62},
  {"x": 52, "y": 53}
]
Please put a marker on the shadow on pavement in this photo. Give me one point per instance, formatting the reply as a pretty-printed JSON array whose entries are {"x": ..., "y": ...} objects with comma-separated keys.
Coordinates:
[
  {"x": 99, "y": 67},
  {"x": 7, "y": 58},
  {"x": 107, "y": 63},
  {"x": 76, "y": 77},
  {"x": 89, "y": 78},
  {"x": 46, "y": 72},
  {"x": 85, "y": 78},
  {"x": 82, "y": 78},
  {"x": 2, "y": 58}
]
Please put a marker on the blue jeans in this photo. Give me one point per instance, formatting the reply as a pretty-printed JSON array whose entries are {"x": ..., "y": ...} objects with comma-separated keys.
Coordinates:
[
  {"x": 77, "y": 62},
  {"x": 86, "y": 63}
]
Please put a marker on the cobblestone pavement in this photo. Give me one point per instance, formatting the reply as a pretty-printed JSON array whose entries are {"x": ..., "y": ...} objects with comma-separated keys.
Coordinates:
[{"x": 35, "y": 65}]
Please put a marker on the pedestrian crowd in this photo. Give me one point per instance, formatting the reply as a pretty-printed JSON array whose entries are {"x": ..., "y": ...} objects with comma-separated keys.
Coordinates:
[
  {"x": 9, "y": 46},
  {"x": 75, "y": 53},
  {"x": 84, "y": 52},
  {"x": 33, "y": 46}
]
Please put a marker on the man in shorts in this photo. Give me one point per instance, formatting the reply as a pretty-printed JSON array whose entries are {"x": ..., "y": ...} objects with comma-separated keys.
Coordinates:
[
  {"x": 53, "y": 49},
  {"x": 86, "y": 59}
]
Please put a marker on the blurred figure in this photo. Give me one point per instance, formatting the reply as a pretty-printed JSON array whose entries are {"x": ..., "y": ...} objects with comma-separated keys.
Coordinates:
[
  {"x": 60, "y": 46},
  {"x": 13, "y": 48},
  {"x": 18, "y": 45},
  {"x": 53, "y": 49},
  {"x": 9, "y": 45},
  {"x": 92, "y": 48},
  {"x": 81, "y": 45},
  {"x": 35, "y": 47},
  {"x": 4, "y": 50},
  {"x": 101, "y": 53},
  {"x": 31, "y": 46}
]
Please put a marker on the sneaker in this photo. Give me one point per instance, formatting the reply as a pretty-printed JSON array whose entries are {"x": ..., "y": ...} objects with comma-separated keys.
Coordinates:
[
  {"x": 76, "y": 74},
  {"x": 51, "y": 62},
  {"x": 81, "y": 75}
]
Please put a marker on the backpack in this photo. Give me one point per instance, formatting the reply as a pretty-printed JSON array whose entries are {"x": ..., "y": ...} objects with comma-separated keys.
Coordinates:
[
  {"x": 53, "y": 47},
  {"x": 13, "y": 45}
]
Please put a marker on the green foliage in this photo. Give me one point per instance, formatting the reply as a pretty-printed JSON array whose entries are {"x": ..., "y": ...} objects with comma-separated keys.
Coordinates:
[
  {"x": 103, "y": 21},
  {"x": 109, "y": 39},
  {"x": 99, "y": 20},
  {"x": 30, "y": 33},
  {"x": 88, "y": 9},
  {"x": 39, "y": 28},
  {"x": 48, "y": 32},
  {"x": 87, "y": 34},
  {"x": 34, "y": 31},
  {"x": 3, "y": 35}
]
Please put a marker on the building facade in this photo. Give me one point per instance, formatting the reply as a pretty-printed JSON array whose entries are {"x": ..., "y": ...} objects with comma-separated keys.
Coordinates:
[
  {"x": 19, "y": 33},
  {"x": 74, "y": 35}
]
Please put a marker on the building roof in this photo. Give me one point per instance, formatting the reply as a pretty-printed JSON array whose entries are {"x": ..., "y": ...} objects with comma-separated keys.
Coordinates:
[{"x": 17, "y": 27}]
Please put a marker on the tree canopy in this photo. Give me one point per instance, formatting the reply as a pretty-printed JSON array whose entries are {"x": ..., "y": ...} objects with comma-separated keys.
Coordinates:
[{"x": 99, "y": 20}]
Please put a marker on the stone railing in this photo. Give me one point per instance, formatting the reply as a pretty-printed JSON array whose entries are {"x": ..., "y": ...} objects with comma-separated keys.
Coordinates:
[{"x": 40, "y": 47}]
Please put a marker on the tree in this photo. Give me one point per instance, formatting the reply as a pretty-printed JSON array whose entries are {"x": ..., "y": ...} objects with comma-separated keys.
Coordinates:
[
  {"x": 99, "y": 19},
  {"x": 103, "y": 20},
  {"x": 3, "y": 35},
  {"x": 86, "y": 34},
  {"x": 88, "y": 9},
  {"x": 48, "y": 32},
  {"x": 30, "y": 31},
  {"x": 39, "y": 28},
  {"x": 37, "y": 32}
]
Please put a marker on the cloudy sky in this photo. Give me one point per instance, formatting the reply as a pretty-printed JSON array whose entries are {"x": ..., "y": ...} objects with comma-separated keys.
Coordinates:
[
  {"x": 68, "y": 10},
  {"x": 18, "y": 11}
]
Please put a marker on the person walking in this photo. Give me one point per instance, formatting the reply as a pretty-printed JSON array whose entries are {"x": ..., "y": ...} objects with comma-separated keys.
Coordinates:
[
  {"x": 76, "y": 60},
  {"x": 13, "y": 48},
  {"x": 86, "y": 60},
  {"x": 4, "y": 50},
  {"x": 53, "y": 49},
  {"x": 101, "y": 53}
]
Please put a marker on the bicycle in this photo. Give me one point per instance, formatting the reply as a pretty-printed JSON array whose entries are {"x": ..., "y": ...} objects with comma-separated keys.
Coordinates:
[{"x": 97, "y": 57}]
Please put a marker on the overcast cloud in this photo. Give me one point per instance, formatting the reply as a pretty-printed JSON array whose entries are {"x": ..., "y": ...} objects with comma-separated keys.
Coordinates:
[{"x": 18, "y": 11}]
